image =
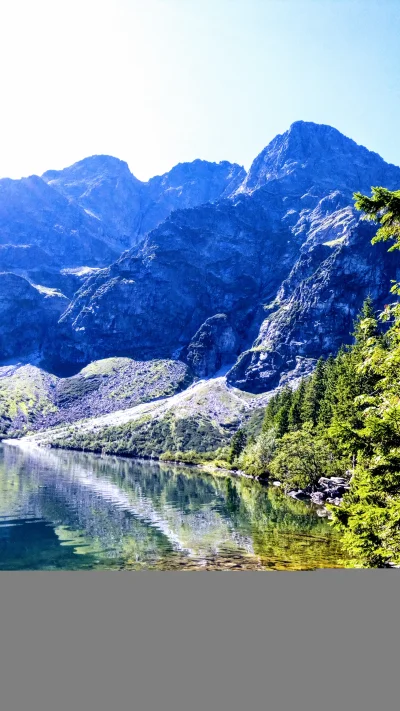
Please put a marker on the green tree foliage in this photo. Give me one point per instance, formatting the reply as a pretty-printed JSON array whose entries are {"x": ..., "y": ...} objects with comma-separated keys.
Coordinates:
[
  {"x": 302, "y": 458},
  {"x": 296, "y": 409},
  {"x": 328, "y": 399},
  {"x": 277, "y": 412},
  {"x": 258, "y": 455},
  {"x": 238, "y": 444},
  {"x": 370, "y": 515},
  {"x": 332, "y": 423},
  {"x": 384, "y": 208},
  {"x": 313, "y": 395}
]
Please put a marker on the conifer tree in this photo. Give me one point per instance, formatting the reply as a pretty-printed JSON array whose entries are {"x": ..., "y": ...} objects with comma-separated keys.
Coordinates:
[
  {"x": 238, "y": 444},
  {"x": 295, "y": 419},
  {"x": 366, "y": 323},
  {"x": 281, "y": 419},
  {"x": 270, "y": 412},
  {"x": 384, "y": 208},
  {"x": 314, "y": 394},
  {"x": 328, "y": 399}
]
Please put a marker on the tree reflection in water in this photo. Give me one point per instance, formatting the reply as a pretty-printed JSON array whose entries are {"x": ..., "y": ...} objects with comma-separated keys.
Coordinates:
[{"x": 72, "y": 510}]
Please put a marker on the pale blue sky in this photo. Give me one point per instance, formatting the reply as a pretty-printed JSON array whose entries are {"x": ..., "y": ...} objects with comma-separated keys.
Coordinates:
[{"x": 156, "y": 82}]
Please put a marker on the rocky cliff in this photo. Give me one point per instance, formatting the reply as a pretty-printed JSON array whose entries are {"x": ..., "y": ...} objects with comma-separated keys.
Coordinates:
[
  {"x": 214, "y": 259},
  {"x": 28, "y": 317},
  {"x": 86, "y": 215}
]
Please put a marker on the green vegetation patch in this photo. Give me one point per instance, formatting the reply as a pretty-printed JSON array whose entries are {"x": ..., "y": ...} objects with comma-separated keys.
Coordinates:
[{"x": 26, "y": 396}]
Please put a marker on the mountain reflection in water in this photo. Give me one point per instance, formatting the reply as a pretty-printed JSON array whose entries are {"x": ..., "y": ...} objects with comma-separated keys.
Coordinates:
[{"x": 72, "y": 510}]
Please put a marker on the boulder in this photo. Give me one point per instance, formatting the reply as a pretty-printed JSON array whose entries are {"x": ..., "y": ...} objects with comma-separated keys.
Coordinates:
[
  {"x": 300, "y": 494},
  {"x": 318, "y": 497}
]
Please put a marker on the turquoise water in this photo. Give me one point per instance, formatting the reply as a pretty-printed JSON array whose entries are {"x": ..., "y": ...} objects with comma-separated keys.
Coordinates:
[{"x": 63, "y": 510}]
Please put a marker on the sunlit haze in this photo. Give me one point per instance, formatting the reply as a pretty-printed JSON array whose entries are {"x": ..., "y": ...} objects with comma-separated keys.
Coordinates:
[{"x": 157, "y": 82}]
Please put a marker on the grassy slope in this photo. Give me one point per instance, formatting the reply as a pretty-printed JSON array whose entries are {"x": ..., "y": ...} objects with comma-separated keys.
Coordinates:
[
  {"x": 31, "y": 399},
  {"x": 201, "y": 418},
  {"x": 25, "y": 393}
]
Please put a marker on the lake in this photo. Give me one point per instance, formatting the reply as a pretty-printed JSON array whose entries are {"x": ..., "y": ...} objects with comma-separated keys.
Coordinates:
[{"x": 62, "y": 510}]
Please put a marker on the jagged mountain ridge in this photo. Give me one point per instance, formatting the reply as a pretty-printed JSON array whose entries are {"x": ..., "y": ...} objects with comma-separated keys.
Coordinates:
[
  {"x": 236, "y": 257},
  {"x": 129, "y": 208},
  {"x": 90, "y": 212},
  {"x": 199, "y": 262},
  {"x": 268, "y": 270}
]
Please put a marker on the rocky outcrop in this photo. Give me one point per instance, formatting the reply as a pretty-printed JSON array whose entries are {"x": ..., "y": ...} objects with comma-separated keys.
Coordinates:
[
  {"x": 214, "y": 345},
  {"x": 329, "y": 490}
]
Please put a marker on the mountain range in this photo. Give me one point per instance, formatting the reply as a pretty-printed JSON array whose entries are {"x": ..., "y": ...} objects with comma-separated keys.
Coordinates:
[{"x": 250, "y": 275}]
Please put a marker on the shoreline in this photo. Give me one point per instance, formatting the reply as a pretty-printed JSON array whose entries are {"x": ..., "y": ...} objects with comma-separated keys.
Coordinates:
[
  {"x": 19, "y": 442},
  {"x": 330, "y": 490}
]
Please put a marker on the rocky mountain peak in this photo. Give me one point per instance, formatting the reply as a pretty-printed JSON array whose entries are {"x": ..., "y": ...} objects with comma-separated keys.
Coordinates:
[
  {"x": 93, "y": 180},
  {"x": 310, "y": 154},
  {"x": 94, "y": 166}
]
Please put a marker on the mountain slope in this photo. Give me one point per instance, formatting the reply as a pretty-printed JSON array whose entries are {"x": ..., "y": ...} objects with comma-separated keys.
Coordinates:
[
  {"x": 266, "y": 269},
  {"x": 315, "y": 309},
  {"x": 28, "y": 317},
  {"x": 243, "y": 258},
  {"x": 32, "y": 213},
  {"x": 209, "y": 260},
  {"x": 201, "y": 418}
]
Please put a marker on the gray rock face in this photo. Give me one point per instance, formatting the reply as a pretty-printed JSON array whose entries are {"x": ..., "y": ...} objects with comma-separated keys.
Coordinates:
[
  {"x": 87, "y": 214},
  {"x": 319, "y": 169},
  {"x": 284, "y": 255},
  {"x": 105, "y": 189},
  {"x": 28, "y": 316},
  {"x": 316, "y": 307},
  {"x": 198, "y": 263},
  {"x": 214, "y": 345},
  {"x": 187, "y": 185}
]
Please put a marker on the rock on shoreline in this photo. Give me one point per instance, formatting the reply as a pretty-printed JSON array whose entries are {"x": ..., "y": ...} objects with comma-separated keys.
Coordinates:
[{"x": 330, "y": 491}]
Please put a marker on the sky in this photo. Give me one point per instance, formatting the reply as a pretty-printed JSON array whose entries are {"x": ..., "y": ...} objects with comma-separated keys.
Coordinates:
[{"x": 158, "y": 82}]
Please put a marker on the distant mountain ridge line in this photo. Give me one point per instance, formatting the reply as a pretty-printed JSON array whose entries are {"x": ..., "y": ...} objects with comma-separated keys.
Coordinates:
[{"x": 219, "y": 265}]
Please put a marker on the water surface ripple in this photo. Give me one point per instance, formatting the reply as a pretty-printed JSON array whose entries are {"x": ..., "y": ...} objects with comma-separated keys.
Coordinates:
[{"x": 73, "y": 511}]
